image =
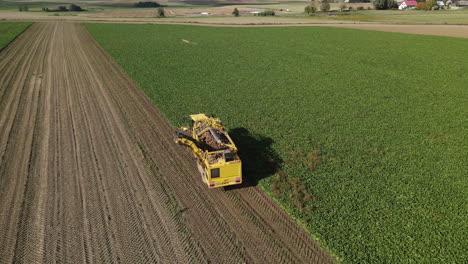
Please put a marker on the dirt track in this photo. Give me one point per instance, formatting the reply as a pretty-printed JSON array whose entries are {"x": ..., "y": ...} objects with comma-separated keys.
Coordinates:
[{"x": 89, "y": 171}]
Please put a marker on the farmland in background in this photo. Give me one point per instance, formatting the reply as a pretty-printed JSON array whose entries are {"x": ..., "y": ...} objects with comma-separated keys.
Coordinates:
[
  {"x": 220, "y": 12},
  {"x": 9, "y": 30},
  {"x": 370, "y": 127}
]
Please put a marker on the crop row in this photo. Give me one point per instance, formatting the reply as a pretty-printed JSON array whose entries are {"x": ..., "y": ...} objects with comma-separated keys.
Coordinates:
[{"x": 361, "y": 135}]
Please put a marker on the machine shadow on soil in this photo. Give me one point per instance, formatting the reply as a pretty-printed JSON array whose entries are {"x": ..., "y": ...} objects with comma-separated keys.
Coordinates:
[{"x": 259, "y": 160}]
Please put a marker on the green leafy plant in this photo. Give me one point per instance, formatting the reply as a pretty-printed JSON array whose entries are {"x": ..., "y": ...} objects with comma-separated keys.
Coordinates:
[
  {"x": 235, "y": 12},
  {"x": 147, "y": 4},
  {"x": 431, "y": 5},
  {"x": 76, "y": 8},
  {"x": 310, "y": 9},
  {"x": 324, "y": 6},
  {"x": 266, "y": 13},
  {"x": 9, "y": 30},
  {"x": 421, "y": 6},
  {"x": 161, "y": 12},
  {"x": 385, "y": 4},
  {"x": 23, "y": 8},
  {"x": 379, "y": 150},
  {"x": 343, "y": 6}
]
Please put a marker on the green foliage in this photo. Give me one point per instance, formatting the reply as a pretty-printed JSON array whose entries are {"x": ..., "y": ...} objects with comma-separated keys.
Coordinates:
[
  {"x": 72, "y": 7},
  {"x": 9, "y": 30},
  {"x": 421, "y": 6},
  {"x": 266, "y": 13},
  {"x": 147, "y": 4},
  {"x": 310, "y": 9},
  {"x": 161, "y": 12},
  {"x": 385, "y": 4},
  {"x": 343, "y": 6},
  {"x": 9, "y": 5},
  {"x": 427, "y": 5},
  {"x": 23, "y": 8},
  {"x": 324, "y": 6},
  {"x": 431, "y": 4},
  {"x": 376, "y": 139},
  {"x": 76, "y": 8},
  {"x": 235, "y": 12}
]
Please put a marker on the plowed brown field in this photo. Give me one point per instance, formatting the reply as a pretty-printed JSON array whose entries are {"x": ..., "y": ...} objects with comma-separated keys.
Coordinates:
[{"x": 89, "y": 171}]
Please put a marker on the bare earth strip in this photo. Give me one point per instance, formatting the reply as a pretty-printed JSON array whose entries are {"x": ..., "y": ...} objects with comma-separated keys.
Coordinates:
[
  {"x": 89, "y": 171},
  {"x": 458, "y": 31}
]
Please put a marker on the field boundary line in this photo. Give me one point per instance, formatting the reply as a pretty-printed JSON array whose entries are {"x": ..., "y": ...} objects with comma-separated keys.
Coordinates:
[{"x": 13, "y": 39}]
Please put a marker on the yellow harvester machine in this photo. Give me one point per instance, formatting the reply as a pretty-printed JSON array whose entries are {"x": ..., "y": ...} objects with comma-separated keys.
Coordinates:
[{"x": 215, "y": 151}]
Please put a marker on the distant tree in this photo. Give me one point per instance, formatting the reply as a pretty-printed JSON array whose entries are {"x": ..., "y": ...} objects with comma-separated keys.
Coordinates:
[
  {"x": 62, "y": 9},
  {"x": 23, "y": 8},
  {"x": 432, "y": 5},
  {"x": 343, "y": 6},
  {"x": 310, "y": 9},
  {"x": 235, "y": 12},
  {"x": 161, "y": 12},
  {"x": 76, "y": 8},
  {"x": 325, "y": 6},
  {"x": 385, "y": 4},
  {"x": 147, "y": 4},
  {"x": 421, "y": 6},
  {"x": 266, "y": 13},
  {"x": 449, "y": 4}
]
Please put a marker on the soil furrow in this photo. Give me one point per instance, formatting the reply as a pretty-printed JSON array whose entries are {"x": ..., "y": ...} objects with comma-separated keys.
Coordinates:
[{"x": 90, "y": 173}]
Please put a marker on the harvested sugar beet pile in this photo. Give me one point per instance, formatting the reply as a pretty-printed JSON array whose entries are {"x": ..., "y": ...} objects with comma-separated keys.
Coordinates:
[{"x": 210, "y": 142}]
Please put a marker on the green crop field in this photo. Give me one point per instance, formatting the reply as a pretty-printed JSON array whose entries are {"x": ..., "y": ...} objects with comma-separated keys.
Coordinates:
[
  {"x": 9, "y": 30},
  {"x": 12, "y": 5},
  {"x": 361, "y": 136}
]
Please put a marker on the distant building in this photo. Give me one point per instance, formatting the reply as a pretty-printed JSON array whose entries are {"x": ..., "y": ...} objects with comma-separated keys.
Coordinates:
[
  {"x": 459, "y": 3},
  {"x": 462, "y": 3},
  {"x": 407, "y": 4}
]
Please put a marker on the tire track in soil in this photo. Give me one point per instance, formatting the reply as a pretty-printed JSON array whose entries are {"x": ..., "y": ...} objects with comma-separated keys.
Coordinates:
[{"x": 89, "y": 171}]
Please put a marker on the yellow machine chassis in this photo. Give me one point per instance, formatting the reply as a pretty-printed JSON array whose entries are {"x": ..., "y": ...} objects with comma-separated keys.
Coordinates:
[{"x": 218, "y": 168}]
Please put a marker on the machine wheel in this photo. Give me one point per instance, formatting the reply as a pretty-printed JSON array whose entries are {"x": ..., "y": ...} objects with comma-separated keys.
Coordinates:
[{"x": 202, "y": 171}]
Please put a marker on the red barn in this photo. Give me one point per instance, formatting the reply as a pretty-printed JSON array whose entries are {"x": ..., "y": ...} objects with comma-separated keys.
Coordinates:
[{"x": 407, "y": 4}]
